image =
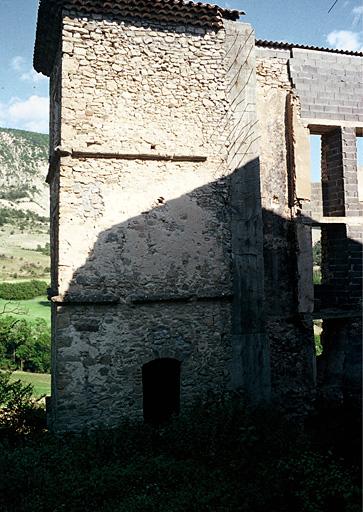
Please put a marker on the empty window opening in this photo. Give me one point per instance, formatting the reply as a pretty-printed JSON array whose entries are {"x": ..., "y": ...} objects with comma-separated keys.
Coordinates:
[
  {"x": 161, "y": 390},
  {"x": 315, "y": 177},
  {"x": 316, "y": 241},
  {"x": 318, "y": 329},
  {"x": 359, "y": 142}
]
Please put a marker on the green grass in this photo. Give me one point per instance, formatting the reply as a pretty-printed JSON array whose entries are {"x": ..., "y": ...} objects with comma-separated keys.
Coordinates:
[
  {"x": 39, "y": 381},
  {"x": 18, "y": 256},
  {"x": 30, "y": 309},
  {"x": 317, "y": 275}
]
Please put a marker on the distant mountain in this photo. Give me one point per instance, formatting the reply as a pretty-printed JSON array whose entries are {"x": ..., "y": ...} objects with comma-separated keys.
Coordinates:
[{"x": 23, "y": 168}]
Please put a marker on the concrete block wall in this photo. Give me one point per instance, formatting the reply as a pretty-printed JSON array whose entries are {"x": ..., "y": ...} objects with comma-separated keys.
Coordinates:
[
  {"x": 316, "y": 200},
  {"x": 332, "y": 174},
  {"x": 330, "y": 86},
  {"x": 353, "y": 207}
]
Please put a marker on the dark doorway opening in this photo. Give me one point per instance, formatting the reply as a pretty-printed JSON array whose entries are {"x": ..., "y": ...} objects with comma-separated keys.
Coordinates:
[{"x": 161, "y": 389}]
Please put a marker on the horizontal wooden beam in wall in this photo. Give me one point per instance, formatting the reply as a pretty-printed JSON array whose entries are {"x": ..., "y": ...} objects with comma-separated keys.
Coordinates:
[{"x": 62, "y": 152}]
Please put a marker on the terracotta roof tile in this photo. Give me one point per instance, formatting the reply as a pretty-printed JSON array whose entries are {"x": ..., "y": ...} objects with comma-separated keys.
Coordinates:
[
  {"x": 179, "y": 11},
  {"x": 289, "y": 46}
]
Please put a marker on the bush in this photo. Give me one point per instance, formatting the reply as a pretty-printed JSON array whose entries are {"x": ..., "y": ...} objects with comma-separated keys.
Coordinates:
[
  {"x": 23, "y": 290},
  {"x": 19, "y": 413},
  {"x": 44, "y": 250}
]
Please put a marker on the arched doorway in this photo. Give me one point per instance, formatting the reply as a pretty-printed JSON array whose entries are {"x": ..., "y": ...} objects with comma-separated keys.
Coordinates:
[{"x": 161, "y": 389}]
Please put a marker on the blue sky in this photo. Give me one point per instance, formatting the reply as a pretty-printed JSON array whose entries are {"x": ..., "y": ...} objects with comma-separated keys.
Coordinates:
[{"x": 24, "y": 93}]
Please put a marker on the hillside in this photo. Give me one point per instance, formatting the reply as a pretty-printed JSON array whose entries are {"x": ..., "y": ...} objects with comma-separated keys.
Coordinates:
[
  {"x": 23, "y": 168},
  {"x": 24, "y": 205}
]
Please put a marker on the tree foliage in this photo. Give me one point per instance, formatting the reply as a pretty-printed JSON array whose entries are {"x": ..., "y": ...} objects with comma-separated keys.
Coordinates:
[
  {"x": 24, "y": 344},
  {"x": 23, "y": 290}
]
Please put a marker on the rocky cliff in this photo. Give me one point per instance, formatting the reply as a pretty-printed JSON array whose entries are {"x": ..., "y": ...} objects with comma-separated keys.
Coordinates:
[{"x": 23, "y": 168}]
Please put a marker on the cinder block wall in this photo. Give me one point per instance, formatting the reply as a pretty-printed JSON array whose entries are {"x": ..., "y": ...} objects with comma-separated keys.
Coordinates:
[{"x": 330, "y": 86}]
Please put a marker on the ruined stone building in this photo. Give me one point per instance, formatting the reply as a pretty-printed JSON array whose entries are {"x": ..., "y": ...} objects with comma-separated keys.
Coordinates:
[{"x": 181, "y": 212}]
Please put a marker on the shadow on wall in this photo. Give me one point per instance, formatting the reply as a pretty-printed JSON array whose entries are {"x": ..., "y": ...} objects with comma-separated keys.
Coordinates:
[{"x": 189, "y": 279}]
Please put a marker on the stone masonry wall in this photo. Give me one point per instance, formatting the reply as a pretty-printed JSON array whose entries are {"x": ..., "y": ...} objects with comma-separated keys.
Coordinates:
[
  {"x": 290, "y": 335},
  {"x": 159, "y": 83},
  {"x": 145, "y": 241}
]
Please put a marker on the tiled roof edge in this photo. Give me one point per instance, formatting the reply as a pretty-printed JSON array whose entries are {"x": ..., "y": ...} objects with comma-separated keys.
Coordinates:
[
  {"x": 289, "y": 46},
  {"x": 185, "y": 11}
]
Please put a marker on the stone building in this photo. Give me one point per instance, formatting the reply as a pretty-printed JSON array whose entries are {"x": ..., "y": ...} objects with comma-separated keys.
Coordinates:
[{"x": 181, "y": 212}]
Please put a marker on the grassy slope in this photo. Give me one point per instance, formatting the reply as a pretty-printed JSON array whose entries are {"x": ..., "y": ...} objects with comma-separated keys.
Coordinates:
[
  {"x": 39, "y": 381},
  {"x": 29, "y": 309},
  {"x": 17, "y": 259}
]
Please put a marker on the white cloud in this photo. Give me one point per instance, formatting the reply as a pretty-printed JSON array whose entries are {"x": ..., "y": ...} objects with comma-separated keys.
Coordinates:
[
  {"x": 31, "y": 114},
  {"x": 358, "y": 15},
  {"x": 27, "y": 73},
  {"x": 32, "y": 76},
  {"x": 346, "y": 40},
  {"x": 17, "y": 63}
]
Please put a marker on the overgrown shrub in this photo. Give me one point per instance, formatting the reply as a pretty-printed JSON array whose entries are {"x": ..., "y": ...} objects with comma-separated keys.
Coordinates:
[
  {"x": 218, "y": 458},
  {"x": 19, "y": 412},
  {"x": 23, "y": 290}
]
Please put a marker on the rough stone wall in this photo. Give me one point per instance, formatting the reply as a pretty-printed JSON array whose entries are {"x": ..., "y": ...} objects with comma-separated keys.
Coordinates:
[
  {"x": 101, "y": 348},
  {"x": 145, "y": 219},
  {"x": 289, "y": 333},
  {"x": 160, "y": 83},
  {"x": 330, "y": 86}
]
